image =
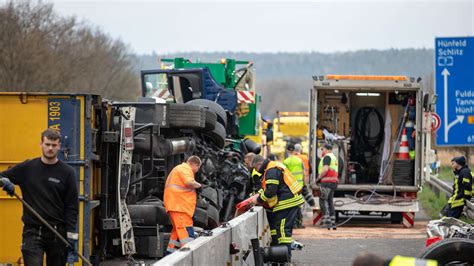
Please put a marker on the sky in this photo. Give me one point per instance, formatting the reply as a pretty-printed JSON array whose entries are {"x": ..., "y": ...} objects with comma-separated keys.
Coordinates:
[{"x": 267, "y": 26}]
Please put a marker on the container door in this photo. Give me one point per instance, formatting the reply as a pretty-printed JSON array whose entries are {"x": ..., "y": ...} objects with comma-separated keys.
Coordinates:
[
  {"x": 313, "y": 125},
  {"x": 26, "y": 116}
]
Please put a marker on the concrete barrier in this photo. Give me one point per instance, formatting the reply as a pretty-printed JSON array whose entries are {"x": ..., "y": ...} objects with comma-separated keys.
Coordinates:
[{"x": 216, "y": 249}]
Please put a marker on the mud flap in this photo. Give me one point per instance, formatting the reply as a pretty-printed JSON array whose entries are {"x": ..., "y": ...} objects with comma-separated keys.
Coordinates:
[
  {"x": 408, "y": 219},
  {"x": 317, "y": 217}
]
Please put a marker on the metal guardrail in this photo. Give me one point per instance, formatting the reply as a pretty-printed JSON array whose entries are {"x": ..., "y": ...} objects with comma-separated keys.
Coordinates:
[{"x": 437, "y": 185}]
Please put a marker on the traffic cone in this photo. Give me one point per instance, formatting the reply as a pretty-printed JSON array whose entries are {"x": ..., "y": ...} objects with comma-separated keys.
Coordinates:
[{"x": 403, "y": 150}]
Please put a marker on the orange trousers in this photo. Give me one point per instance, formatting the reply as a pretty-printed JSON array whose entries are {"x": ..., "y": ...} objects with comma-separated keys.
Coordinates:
[{"x": 182, "y": 231}]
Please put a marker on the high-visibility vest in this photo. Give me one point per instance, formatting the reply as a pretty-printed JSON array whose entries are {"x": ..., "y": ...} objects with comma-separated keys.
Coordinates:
[
  {"x": 178, "y": 196},
  {"x": 332, "y": 174},
  {"x": 292, "y": 184},
  {"x": 295, "y": 166},
  {"x": 407, "y": 261},
  {"x": 305, "y": 163}
]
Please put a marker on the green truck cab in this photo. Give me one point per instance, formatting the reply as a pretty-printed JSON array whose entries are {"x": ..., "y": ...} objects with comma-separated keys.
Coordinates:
[{"x": 240, "y": 98}]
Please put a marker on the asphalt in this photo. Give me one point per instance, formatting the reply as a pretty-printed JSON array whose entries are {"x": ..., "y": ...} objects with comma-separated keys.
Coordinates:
[
  {"x": 361, "y": 234},
  {"x": 344, "y": 251}
]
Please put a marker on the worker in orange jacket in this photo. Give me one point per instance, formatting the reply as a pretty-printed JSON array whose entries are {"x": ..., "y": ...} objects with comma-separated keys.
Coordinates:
[{"x": 180, "y": 202}]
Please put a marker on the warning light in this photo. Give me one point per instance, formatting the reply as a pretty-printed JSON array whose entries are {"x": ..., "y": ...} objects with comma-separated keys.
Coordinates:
[{"x": 361, "y": 77}]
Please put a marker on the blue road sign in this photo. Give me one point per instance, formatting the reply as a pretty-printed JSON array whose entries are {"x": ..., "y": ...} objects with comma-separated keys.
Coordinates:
[{"x": 455, "y": 90}]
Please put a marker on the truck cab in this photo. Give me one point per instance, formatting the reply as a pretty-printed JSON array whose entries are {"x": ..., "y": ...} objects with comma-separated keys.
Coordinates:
[{"x": 181, "y": 80}]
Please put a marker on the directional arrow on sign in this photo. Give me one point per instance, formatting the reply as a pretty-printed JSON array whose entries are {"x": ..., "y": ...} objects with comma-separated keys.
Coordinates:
[{"x": 459, "y": 118}]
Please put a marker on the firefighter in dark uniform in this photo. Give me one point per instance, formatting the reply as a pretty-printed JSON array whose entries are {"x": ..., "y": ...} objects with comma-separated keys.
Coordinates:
[
  {"x": 280, "y": 194},
  {"x": 462, "y": 187}
]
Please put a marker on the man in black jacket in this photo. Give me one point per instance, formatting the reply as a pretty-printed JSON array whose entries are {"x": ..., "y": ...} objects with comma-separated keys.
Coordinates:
[
  {"x": 462, "y": 187},
  {"x": 280, "y": 194},
  {"x": 50, "y": 187}
]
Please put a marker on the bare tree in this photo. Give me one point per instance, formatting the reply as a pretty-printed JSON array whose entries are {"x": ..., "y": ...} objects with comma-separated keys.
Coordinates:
[{"x": 41, "y": 51}]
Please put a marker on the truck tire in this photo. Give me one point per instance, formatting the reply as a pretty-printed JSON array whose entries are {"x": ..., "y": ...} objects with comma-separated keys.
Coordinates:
[
  {"x": 211, "y": 119},
  {"x": 210, "y": 194},
  {"x": 187, "y": 116},
  {"x": 217, "y": 135},
  {"x": 213, "y": 217},
  {"x": 217, "y": 108},
  {"x": 454, "y": 251},
  {"x": 200, "y": 217}
]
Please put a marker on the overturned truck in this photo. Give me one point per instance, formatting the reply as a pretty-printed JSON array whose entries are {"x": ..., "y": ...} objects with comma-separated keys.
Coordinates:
[
  {"x": 199, "y": 120},
  {"x": 122, "y": 153}
]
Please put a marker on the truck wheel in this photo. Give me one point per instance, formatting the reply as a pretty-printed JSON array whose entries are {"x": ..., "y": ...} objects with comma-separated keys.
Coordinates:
[
  {"x": 200, "y": 218},
  {"x": 211, "y": 119},
  {"x": 217, "y": 108},
  {"x": 211, "y": 195},
  {"x": 396, "y": 217},
  {"x": 454, "y": 251},
  {"x": 213, "y": 217},
  {"x": 217, "y": 135},
  {"x": 186, "y": 116}
]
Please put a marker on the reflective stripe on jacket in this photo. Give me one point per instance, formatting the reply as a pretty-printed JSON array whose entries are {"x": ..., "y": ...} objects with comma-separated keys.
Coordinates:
[
  {"x": 332, "y": 174},
  {"x": 275, "y": 203},
  {"x": 462, "y": 187},
  {"x": 296, "y": 167},
  {"x": 178, "y": 196}
]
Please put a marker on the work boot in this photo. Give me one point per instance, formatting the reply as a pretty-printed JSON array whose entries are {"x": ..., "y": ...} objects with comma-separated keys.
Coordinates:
[
  {"x": 326, "y": 224},
  {"x": 333, "y": 223}
]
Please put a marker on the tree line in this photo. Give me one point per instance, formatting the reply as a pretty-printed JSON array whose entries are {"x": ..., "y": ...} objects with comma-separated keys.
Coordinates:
[
  {"x": 284, "y": 79},
  {"x": 43, "y": 52}
]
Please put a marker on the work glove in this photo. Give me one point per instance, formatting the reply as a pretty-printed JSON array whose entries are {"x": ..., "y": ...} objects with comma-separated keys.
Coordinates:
[
  {"x": 71, "y": 247},
  {"x": 7, "y": 186}
]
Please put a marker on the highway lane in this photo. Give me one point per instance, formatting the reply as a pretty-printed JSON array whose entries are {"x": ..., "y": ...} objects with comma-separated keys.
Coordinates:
[{"x": 360, "y": 234}]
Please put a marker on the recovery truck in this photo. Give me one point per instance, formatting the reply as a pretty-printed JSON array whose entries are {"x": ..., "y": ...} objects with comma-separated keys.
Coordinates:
[
  {"x": 366, "y": 119},
  {"x": 244, "y": 113},
  {"x": 122, "y": 153},
  {"x": 289, "y": 127}
]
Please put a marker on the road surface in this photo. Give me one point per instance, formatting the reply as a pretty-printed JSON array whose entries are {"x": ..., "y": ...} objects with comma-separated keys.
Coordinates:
[{"x": 378, "y": 236}]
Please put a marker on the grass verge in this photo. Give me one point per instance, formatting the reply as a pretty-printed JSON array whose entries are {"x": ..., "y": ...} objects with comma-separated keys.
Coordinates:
[
  {"x": 431, "y": 203},
  {"x": 446, "y": 173}
]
